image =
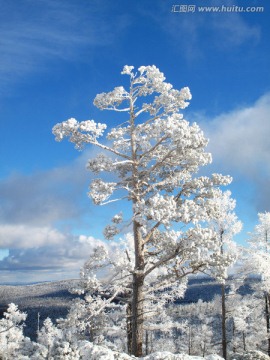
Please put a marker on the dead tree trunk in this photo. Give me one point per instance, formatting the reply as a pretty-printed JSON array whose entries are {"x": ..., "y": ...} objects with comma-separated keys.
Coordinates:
[
  {"x": 146, "y": 343},
  {"x": 233, "y": 337},
  {"x": 129, "y": 329},
  {"x": 223, "y": 326},
  {"x": 267, "y": 316},
  {"x": 189, "y": 340},
  {"x": 244, "y": 341}
]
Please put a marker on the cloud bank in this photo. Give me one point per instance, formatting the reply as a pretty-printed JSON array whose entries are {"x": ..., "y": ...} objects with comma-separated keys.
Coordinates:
[
  {"x": 38, "y": 213},
  {"x": 52, "y": 261},
  {"x": 240, "y": 144}
]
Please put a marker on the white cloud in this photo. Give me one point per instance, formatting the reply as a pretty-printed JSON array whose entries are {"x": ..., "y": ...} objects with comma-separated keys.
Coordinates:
[
  {"x": 39, "y": 214},
  {"x": 25, "y": 236},
  {"x": 240, "y": 139},
  {"x": 240, "y": 145},
  {"x": 32, "y": 209},
  {"x": 45, "y": 197},
  {"x": 62, "y": 258}
]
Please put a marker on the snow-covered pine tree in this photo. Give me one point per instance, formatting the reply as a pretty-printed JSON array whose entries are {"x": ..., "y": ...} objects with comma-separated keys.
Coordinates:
[
  {"x": 13, "y": 344},
  {"x": 260, "y": 259},
  {"x": 226, "y": 225},
  {"x": 246, "y": 314},
  {"x": 156, "y": 155}
]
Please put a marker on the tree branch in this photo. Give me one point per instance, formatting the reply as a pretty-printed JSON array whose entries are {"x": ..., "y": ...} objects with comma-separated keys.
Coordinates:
[
  {"x": 104, "y": 147},
  {"x": 155, "y": 146}
]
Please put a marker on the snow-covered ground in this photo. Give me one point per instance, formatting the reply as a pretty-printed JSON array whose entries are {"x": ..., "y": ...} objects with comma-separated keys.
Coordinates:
[{"x": 95, "y": 352}]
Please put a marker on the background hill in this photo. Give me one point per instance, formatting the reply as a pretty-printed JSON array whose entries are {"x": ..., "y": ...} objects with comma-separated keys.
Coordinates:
[
  {"x": 53, "y": 299},
  {"x": 50, "y": 299}
]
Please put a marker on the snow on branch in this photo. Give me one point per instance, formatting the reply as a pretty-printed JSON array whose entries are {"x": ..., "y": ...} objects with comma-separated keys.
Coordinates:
[{"x": 79, "y": 133}]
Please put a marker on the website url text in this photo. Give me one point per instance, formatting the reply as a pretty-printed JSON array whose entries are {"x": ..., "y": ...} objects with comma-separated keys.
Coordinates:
[{"x": 223, "y": 8}]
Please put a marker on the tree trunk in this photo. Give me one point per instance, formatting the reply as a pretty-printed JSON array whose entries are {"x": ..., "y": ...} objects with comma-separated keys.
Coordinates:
[
  {"x": 233, "y": 337},
  {"x": 223, "y": 307},
  {"x": 146, "y": 343},
  {"x": 224, "y": 335},
  {"x": 267, "y": 316},
  {"x": 189, "y": 340},
  {"x": 137, "y": 305},
  {"x": 244, "y": 341},
  {"x": 204, "y": 349},
  {"x": 138, "y": 293},
  {"x": 129, "y": 329},
  {"x": 137, "y": 315}
]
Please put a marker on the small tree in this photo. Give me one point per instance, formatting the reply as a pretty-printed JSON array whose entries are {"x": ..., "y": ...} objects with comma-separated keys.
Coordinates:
[
  {"x": 197, "y": 331},
  {"x": 155, "y": 155},
  {"x": 247, "y": 314},
  {"x": 226, "y": 225},
  {"x": 260, "y": 255},
  {"x": 48, "y": 336},
  {"x": 12, "y": 340}
]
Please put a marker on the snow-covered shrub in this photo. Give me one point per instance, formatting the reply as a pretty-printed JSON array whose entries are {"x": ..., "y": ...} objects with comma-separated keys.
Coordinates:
[
  {"x": 13, "y": 344},
  {"x": 251, "y": 355}
]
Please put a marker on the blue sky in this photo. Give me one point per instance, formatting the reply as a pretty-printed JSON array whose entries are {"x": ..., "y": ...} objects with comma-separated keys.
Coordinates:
[{"x": 56, "y": 55}]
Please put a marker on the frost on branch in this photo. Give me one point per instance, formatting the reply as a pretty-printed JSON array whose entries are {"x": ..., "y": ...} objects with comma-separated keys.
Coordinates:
[
  {"x": 127, "y": 70},
  {"x": 79, "y": 133},
  {"x": 158, "y": 208},
  {"x": 111, "y": 100},
  {"x": 151, "y": 80},
  {"x": 118, "y": 218},
  {"x": 100, "y": 163},
  {"x": 100, "y": 191},
  {"x": 170, "y": 101},
  {"x": 110, "y": 231}
]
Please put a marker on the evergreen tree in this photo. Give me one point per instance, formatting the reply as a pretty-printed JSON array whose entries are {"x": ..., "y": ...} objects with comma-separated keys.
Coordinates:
[{"x": 155, "y": 155}]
